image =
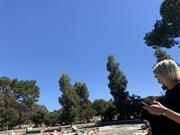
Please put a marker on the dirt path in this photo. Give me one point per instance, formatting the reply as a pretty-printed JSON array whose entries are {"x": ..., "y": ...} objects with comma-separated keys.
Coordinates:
[
  {"x": 124, "y": 129},
  {"x": 107, "y": 128}
]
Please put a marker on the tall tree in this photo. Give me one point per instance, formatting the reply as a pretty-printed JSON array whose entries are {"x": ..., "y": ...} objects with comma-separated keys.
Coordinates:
[
  {"x": 86, "y": 111},
  {"x": 167, "y": 30},
  {"x": 9, "y": 114},
  {"x": 117, "y": 85},
  {"x": 69, "y": 100}
]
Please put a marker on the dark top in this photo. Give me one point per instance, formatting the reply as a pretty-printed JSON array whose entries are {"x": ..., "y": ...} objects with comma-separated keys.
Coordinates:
[{"x": 161, "y": 125}]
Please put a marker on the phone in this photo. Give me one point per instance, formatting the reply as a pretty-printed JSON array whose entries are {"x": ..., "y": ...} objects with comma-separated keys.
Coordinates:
[{"x": 147, "y": 102}]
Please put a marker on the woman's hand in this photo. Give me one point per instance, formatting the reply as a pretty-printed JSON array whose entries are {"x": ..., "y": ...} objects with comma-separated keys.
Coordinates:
[{"x": 156, "y": 108}]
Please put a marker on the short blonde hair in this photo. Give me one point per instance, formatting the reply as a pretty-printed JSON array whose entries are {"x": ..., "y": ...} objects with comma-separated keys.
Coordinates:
[{"x": 167, "y": 69}]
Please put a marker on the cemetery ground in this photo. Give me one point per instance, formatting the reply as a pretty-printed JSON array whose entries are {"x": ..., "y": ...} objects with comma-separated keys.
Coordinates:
[{"x": 129, "y": 127}]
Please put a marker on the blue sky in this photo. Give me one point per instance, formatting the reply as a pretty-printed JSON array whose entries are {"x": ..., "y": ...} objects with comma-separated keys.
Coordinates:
[{"x": 40, "y": 40}]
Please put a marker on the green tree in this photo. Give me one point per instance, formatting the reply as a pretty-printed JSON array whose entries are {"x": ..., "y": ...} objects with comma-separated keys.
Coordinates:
[
  {"x": 167, "y": 30},
  {"x": 110, "y": 111},
  {"x": 2, "y": 110},
  {"x": 9, "y": 114},
  {"x": 100, "y": 106},
  {"x": 26, "y": 93},
  {"x": 16, "y": 98},
  {"x": 135, "y": 107},
  {"x": 117, "y": 85},
  {"x": 105, "y": 109},
  {"x": 69, "y": 101},
  {"x": 161, "y": 55},
  {"x": 39, "y": 114},
  {"x": 86, "y": 111},
  {"x": 53, "y": 118}
]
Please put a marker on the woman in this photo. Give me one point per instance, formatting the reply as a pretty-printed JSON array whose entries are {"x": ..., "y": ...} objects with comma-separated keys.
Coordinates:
[{"x": 165, "y": 118}]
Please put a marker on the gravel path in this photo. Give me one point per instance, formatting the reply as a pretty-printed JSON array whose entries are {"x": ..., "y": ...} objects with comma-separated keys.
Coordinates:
[
  {"x": 109, "y": 129},
  {"x": 124, "y": 129}
]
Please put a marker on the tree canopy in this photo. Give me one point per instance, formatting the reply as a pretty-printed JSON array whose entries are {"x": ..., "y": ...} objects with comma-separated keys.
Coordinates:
[
  {"x": 16, "y": 99},
  {"x": 166, "y": 31}
]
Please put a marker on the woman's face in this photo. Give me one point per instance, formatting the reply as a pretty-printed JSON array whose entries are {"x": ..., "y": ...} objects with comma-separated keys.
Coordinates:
[{"x": 160, "y": 79}]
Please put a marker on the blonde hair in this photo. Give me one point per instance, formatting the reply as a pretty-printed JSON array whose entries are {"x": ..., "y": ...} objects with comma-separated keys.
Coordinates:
[{"x": 167, "y": 69}]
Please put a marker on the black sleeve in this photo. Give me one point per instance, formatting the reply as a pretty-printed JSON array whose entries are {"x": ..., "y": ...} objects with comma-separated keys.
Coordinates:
[{"x": 177, "y": 101}]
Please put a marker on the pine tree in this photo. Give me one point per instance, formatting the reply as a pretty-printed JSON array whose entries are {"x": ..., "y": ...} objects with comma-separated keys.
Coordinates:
[
  {"x": 166, "y": 31},
  {"x": 117, "y": 85},
  {"x": 15, "y": 97}
]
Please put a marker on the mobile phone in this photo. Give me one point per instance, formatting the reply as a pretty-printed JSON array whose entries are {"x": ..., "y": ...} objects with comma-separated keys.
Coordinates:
[{"x": 147, "y": 102}]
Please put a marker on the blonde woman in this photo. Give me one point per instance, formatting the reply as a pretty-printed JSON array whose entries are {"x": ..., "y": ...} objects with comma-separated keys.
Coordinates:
[{"x": 166, "y": 115}]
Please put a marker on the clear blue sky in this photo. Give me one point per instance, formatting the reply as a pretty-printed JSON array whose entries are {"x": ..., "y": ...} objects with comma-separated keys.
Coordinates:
[{"x": 41, "y": 39}]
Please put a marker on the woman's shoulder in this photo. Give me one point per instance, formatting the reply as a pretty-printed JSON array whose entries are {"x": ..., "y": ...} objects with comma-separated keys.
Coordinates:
[{"x": 176, "y": 88}]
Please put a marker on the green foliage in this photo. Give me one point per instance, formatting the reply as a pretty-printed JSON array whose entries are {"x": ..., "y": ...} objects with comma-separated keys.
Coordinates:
[
  {"x": 82, "y": 92},
  {"x": 76, "y": 107},
  {"x": 161, "y": 55},
  {"x": 39, "y": 114},
  {"x": 157, "y": 98},
  {"x": 52, "y": 118},
  {"x": 110, "y": 111},
  {"x": 8, "y": 105},
  {"x": 167, "y": 30},
  {"x": 100, "y": 106},
  {"x": 26, "y": 92},
  {"x": 69, "y": 101},
  {"x": 16, "y": 97},
  {"x": 117, "y": 85},
  {"x": 86, "y": 111},
  {"x": 105, "y": 109},
  {"x": 135, "y": 108},
  {"x": 28, "y": 122}
]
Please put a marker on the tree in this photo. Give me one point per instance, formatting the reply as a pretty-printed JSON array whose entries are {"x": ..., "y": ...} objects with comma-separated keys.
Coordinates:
[
  {"x": 16, "y": 98},
  {"x": 117, "y": 85},
  {"x": 161, "y": 55},
  {"x": 8, "y": 114},
  {"x": 2, "y": 110},
  {"x": 110, "y": 111},
  {"x": 105, "y": 109},
  {"x": 39, "y": 114},
  {"x": 26, "y": 93},
  {"x": 86, "y": 111},
  {"x": 53, "y": 118},
  {"x": 100, "y": 106},
  {"x": 167, "y": 30},
  {"x": 69, "y": 101},
  {"x": 135, "y": 107}
]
